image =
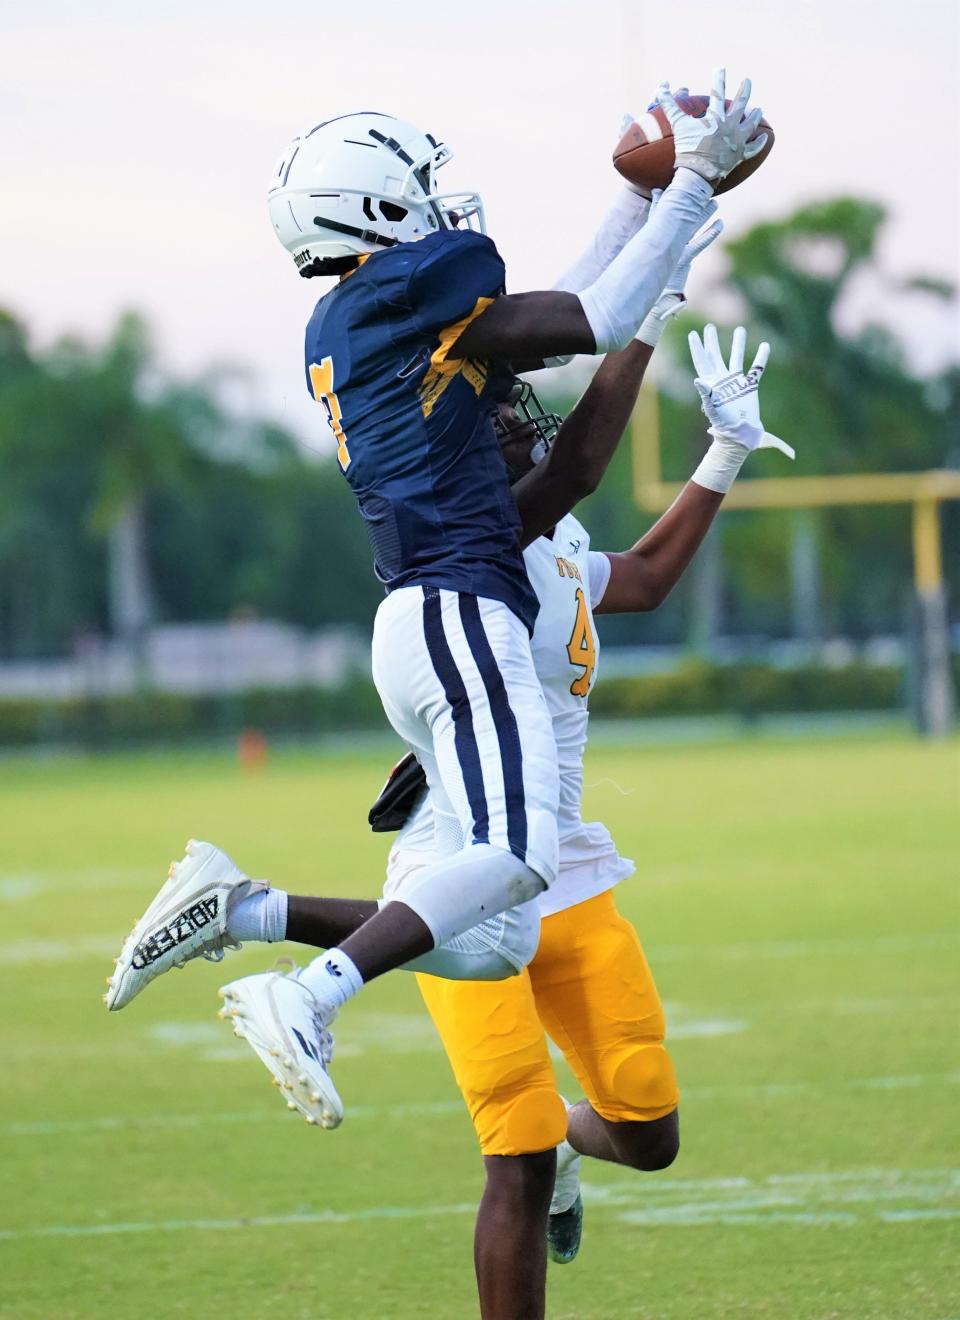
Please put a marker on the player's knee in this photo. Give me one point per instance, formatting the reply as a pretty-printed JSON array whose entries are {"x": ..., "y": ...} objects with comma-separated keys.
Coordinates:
[
  {"x": 522, "y": 1123},
  {"x": 454, "y": 962},
  {"x": 648, "y": 1145},
  {"x": 645, "y": 1084},
  {"x": 521, "y": 1177},
  {"x": 662, "y": 1144},
  {"x": 493, "y": 950},
  {"x": 495, "y": 967},
  {"x": 520, "y": 935},
  {"x": 504, "y": 945},
  {"x": 523, "y": 881},
  {"x": 644, "y": 1080}
]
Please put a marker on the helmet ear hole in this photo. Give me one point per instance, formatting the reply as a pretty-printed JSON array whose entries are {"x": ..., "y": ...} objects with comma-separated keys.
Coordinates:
[
  {"x": 390, "y": 211},
  {"x": 368, "y": 210}
]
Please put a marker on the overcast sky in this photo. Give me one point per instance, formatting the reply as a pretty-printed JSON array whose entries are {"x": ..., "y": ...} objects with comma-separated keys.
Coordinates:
[{"x": 137, "y": 139}]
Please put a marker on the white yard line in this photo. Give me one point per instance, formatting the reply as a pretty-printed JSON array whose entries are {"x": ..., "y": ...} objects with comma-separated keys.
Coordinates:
[
  {"x": 254, "y": 1221},
  {"x": 16, "y": 886},
  {"x": 750, "y": 949},
  {"x": 121, "y": 1122},
  {"x": 272, "y": 1113},
  {"x": 707, "y": 1028},
  {"x": 86, "y": 946},
  {"x": 897, "y": 1082},
  {"x": 18, "y": 953},
  {"x": 804, "y": 1198}
]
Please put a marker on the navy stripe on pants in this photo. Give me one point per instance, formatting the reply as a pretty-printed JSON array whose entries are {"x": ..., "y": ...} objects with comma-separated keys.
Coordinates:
[
  {"x": 464, "y": 736},
  {"x": 505, "y": 722}
]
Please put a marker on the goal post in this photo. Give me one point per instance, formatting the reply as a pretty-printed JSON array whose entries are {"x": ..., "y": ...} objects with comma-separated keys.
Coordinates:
[{"x": 924, "y": 491}]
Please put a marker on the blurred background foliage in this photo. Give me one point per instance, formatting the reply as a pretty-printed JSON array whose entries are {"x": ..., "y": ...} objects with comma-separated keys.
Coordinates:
[
  {"x": 129, "y": 497},
  {"x": 847, "y": 401}
]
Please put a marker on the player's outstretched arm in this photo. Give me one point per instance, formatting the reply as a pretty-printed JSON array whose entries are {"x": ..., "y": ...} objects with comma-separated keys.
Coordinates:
[
  {"x": 605, "y": 316},
  {"x": 588, "y": 438},
  {"x": 641, "y": 578},
  {"x": 528, "y": 327},
  {"x": 584, "y": 445}
]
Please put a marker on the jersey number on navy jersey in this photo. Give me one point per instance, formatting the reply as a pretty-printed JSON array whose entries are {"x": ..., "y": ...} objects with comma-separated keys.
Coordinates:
[
  {"x": 321, "y": 382},
  {"x": 581, "y": 648}
]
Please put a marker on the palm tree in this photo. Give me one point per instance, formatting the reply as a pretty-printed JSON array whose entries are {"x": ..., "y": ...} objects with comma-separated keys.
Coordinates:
[{"x": 125, "y": 411}]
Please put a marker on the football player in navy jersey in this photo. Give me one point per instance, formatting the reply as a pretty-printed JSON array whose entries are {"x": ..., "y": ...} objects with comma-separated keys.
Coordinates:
[
  {"x": 588, "y": 984},
  {"x": 409, "y": 356}
]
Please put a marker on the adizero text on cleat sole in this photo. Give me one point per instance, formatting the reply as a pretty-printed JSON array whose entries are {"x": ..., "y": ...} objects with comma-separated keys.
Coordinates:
[{"x": 186, "y": 920}]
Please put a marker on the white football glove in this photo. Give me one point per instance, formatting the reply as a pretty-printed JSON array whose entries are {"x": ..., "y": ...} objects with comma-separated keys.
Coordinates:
[
  {"x": 672, "y": 299},
  {"x": 729, "y": 396},
  {"x": 715, "y": 144}
]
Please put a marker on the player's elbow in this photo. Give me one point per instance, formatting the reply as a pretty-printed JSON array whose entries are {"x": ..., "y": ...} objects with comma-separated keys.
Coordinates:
[
  {"x": 572, "y": 480},
  {"x": 585, "y": 474},
  {"x": 586, "y": 481},
  {"x": 641, "y": 589},
  {"x": 655, "y": 593}
]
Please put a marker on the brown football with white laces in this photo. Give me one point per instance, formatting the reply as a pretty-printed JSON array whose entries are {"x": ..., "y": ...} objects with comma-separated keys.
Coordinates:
[{"x": 645, "y": 153}]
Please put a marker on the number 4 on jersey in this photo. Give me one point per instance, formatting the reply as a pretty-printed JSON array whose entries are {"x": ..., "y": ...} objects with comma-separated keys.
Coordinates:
[
  {"x": 321, "y": 382},
  {"x": 581, "y": 648}
]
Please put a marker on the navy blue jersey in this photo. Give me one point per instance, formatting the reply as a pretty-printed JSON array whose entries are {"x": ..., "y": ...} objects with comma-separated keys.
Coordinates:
[{"x": 414, "y": 429}]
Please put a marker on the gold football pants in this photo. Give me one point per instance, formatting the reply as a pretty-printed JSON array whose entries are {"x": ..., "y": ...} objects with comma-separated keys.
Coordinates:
[{"x": 589, "y": 987}]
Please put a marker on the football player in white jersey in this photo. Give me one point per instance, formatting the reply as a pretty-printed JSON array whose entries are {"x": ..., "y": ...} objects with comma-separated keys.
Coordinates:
[{"x": 587, "y": 984}]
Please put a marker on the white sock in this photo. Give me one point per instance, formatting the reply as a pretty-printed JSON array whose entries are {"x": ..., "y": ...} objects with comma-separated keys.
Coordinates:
[
  {"x": 332, "y": 978},
  {"x": 566, "y": 1187},
  {"x": 262, "y": 916}
]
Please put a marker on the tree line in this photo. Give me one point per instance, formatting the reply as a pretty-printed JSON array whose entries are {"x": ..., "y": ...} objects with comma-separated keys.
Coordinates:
[{"x": 129, "y": 497}]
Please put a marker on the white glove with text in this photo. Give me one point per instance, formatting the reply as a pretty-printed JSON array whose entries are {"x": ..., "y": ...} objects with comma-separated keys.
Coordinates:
[{"x": 730, "y": 400}]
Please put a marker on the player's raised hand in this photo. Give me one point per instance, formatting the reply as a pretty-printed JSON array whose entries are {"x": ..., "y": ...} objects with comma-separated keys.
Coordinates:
[
  {"x": 630, "y": 118},
  {"x": 730, "y": 396},
  {"x": 716, "y": 143}
]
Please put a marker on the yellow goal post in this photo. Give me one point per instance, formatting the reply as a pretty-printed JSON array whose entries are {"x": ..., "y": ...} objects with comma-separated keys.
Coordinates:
[{"x": 925, "y": 491}]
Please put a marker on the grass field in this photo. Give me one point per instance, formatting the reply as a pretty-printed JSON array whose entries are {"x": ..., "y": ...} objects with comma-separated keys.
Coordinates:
[{"x": 798, "y": 901}]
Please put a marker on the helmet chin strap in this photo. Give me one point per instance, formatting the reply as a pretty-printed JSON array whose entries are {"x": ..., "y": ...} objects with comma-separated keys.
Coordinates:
[{"x": 366, "y": 235}]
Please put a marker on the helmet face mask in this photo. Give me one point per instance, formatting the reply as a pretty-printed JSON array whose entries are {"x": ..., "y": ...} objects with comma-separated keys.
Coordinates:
[
  {"x": 525, "y": 431},
  {"x": 360, "y": 182}
]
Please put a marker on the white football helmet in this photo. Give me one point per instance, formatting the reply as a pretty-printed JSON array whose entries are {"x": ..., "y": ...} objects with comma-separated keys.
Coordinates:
[{"x": 358, "y": 183}]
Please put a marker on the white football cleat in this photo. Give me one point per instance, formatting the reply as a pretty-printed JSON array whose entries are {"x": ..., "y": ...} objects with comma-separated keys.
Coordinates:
[
  {"x": 281, "y": 1021},
  {"x": 187, "y": 919}
]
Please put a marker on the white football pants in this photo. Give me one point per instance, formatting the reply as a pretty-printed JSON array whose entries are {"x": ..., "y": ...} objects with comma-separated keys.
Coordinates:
[
  {"x": 497, "y": 948},
  {"x": 457, "y": 682}
]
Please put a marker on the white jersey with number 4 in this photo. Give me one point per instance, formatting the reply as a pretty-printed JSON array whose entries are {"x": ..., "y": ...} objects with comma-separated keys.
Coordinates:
[{"x": 569, "y": 580}]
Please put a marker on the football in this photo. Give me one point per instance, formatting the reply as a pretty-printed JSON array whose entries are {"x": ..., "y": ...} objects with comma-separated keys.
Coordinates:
[{"x": 644, "y": 155}]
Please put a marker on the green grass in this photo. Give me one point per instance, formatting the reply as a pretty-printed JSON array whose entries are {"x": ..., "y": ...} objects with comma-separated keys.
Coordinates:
[{"x": 798, "y": 902}]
